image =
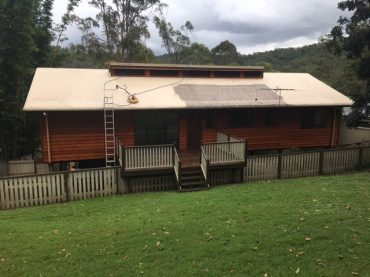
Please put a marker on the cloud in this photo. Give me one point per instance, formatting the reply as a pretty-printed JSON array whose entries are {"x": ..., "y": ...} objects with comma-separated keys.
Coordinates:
[{"x": 249, "y": 24}]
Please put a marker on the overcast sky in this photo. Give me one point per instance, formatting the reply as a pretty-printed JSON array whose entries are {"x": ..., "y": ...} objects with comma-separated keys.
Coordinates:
[{"x": 252, "y": 25}]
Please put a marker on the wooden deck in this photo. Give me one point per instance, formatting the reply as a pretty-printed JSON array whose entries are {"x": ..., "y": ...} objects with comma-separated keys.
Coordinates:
[{"x": 227, "y": 152}]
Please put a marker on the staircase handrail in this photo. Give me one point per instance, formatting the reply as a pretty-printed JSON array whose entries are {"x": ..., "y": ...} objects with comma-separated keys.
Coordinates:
[
  {"x": 177, "y": 166},
  {"x": 204, "y": 164}
]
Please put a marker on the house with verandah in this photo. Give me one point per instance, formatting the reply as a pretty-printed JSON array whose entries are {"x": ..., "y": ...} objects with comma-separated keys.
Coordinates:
[{"x": 184, "y": 120}]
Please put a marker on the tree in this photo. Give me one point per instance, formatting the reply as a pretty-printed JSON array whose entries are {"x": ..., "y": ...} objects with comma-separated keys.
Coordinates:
[
  {"x": 197, "y": 53},
  {"x": 43, "y": 34},
  {"x": 17, "y": 21},
  {"x": 174, "y": 41},
  {"x": 25, "y": 35},
  {"x": 67, "y": 19},
  {"x": 226, "y": 54},
  {"x": 125, "y": 25},
  {"x": 352, "y": 36}
]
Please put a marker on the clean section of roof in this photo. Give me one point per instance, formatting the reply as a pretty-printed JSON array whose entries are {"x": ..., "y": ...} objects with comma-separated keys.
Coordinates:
[{"x": 61, "y": 89}]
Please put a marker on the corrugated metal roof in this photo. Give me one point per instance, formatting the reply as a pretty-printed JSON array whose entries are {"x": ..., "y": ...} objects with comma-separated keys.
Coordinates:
[{"x": 58, "y": 89}]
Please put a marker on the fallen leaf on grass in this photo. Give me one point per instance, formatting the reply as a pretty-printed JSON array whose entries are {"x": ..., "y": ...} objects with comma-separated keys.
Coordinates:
[
  {"x": 307, "y": 239},
  {"x": 355, "y": 273},
  {"x": 297, "y": 271},
  {"x": 158, "y": 243}
]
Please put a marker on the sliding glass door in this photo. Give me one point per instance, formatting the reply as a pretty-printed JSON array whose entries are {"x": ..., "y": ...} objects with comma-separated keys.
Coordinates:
[{"x": 156, "y": 127}]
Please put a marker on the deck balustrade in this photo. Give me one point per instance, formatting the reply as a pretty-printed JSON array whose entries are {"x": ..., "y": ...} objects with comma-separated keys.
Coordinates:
[
  {"x": 227, "y": 151},
  {"x": 151, "y": 157}
]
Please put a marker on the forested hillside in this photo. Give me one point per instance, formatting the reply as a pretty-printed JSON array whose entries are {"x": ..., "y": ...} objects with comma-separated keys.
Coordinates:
[{"x": 336, "y": 71}]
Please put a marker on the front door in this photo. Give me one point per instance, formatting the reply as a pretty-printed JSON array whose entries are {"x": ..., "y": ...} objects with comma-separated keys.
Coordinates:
[{"x": 194, "y": 132}]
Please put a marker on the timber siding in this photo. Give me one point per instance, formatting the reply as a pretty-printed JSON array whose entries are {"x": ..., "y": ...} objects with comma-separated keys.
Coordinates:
[
  {"x": 80, "y": 135},
  {"x": 284, "y": 134}
]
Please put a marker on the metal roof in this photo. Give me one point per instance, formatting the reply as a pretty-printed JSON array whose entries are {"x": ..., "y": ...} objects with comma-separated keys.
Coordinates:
[{"x": 60, "y": 89}]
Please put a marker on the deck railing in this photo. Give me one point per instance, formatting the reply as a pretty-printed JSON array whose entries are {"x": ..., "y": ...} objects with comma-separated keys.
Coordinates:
[
  {"x": 146, "y": 157},
  {"x": 226, "y": 150},
  {"x": 177, "y": 166},
  {"x": 204, "y": 164}
]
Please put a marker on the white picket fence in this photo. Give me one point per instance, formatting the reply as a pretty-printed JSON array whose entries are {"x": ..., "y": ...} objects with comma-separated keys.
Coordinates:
[
  {"x": 303, "y": 164},
  {"x": 44, "y": 189},
  {"x": 34, "y": 190}
]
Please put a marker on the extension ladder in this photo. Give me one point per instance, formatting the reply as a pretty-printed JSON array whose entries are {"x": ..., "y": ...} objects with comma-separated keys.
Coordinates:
[{"x": 109, "y": 132}]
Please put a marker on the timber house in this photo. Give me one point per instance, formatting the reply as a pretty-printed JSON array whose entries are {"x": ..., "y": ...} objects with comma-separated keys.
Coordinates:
[{"x": 184, "y": 121}]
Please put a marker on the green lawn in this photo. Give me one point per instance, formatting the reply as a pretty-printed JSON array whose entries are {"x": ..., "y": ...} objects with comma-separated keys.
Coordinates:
[{"x": 306, "y": 227}]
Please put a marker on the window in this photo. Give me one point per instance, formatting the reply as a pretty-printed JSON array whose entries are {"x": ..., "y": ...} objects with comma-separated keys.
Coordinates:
[
  {"x": 240, "y": 119},
  {"x": 314, "y": 119},
  {"x": 153, "y": 128},
  {"x": 227, "y": 74},
  {"x": 211, "y": 120},
  {"x": 270, "y": 118}
]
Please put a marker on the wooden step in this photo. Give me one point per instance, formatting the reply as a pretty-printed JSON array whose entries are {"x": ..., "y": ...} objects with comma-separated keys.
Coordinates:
[
  {"x": 193, "y": 189},
  {"x": 192, "y": 179}
]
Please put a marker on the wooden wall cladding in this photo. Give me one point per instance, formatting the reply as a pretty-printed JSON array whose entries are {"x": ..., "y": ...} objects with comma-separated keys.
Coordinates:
[
  {"x": 285, "y": 133},
  {"x": 79, "y": 135}
]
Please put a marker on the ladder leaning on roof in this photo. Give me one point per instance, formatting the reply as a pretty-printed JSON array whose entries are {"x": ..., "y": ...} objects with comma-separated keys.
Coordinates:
[{"x": 109, "y": 132}]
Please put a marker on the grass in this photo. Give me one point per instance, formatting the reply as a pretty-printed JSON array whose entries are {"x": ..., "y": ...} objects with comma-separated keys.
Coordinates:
[{"x": 316, "y": 226}]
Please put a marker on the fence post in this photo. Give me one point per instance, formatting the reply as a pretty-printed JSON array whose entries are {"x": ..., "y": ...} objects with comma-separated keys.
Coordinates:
[
  {"x": 280, "y": 157},
  {"x": 67, "y": 187},
  {"x": 321, "y": 163},
  {"x": 118, "y": 178},
  {"x": 360, "y": 157},
  {"x": 245, "y": 152}
]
